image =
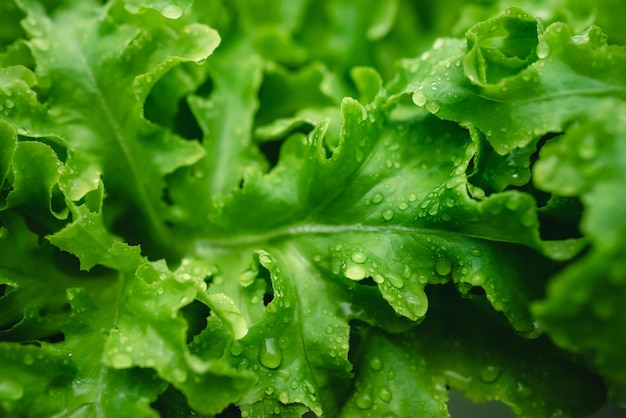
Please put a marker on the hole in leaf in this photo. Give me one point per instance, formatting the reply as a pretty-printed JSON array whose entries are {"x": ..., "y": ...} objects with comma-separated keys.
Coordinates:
[
  {"x": 271, "y": 151},
  {"x": 185, "y": 124},
  {"x": 268, "y": 298},
  {"x": 196, "y": 314},
  {"x": 477, "y": 291},
  {"x": 231, "y": 412},
  {"x": 172, "y": 403},
  {"x": 368, "y": 281},
  {"x": 58, "y": 337}
]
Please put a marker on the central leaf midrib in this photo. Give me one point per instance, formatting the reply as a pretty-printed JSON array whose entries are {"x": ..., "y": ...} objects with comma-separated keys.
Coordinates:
[
  {"x": 303, "y": 229},
  {"x": 119, "y": 138}
]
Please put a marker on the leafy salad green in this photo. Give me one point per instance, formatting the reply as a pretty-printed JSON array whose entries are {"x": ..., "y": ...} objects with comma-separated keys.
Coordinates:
[{"x": 325, "y": 208}]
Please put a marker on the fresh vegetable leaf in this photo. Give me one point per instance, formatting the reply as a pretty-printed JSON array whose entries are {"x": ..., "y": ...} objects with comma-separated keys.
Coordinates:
[{"x": 275, "y": 228}]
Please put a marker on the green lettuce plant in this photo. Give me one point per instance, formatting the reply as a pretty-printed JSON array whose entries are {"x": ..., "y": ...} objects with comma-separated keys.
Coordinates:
[{"x": 335, "y": 208}]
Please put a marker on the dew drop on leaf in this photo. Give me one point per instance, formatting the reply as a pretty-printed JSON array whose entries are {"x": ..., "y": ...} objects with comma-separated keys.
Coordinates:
[
  {"x": 419, "y": 98},
  {"x": 364, "y": 400},
  {"x": 121, "y": 361},
  {"x": 543, "y": 49},
  {"x": 477, "y": 278},
  {"x": 172, "y": 11},
  {"x": 377, "y": 198},
  {"x": 179, "y": 375},
  {"x": 359, "y": 257},
  {"x": 236, "y": 348},
  {"x": 395, "y": 281},
  {"x": 490, "y": 373},
  {"x": 376, "y": 363},
  {"x": 284, "y": 397},
  {"x": 270, "y": 355},
  {"x": 432, "y": 107},
  {"x": 443, "y": 267},
  {"x": 355, "y": 272},
  {"x": 388, "y": 215},
  {"x": 384, "y": 393},
  {"x": 10, "y": 389}
]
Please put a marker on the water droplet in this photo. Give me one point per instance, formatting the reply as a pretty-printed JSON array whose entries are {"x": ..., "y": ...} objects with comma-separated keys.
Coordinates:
[
  {"x": 406, "y": 272},
  {"x": 379, "y": 279},
  {"x": 179, "y": 375},
  {"x": 309, "y": 386},
  {"x": 412, "y": 198},
  {"x": 284, "y": 397},
  {"x": 172, "y": 11},
  {"x": 384, "y": 393},
  {"x": 359, "y": 257},
  {"x": 513, "y": 202},
  {"x": 355, "y": 272},
  {"x": 364, "y": 400},
  {"x": 270, "y": 355},
  {"x": 41, "y": 44},
  {"x": 543, "y": 49},
  {"x": 236, "y": 348},
  {"x": 377, "y": 198},
  {"x": 489, "y": 374},
  {"x": 388, "y": 215},
  {"x": 269, "y": 390},
  {"x": 10, "y": 389},
  {"x": 523, "y": 391},
  {"x": 376, "y": 363},
  {"x": 9, "y": 104},
  {"x": 121, "y": 361},
  {"x": 477, "y": 278},
  {"x": 443, "y": 266},
  {"x": 432, "y": 107},
  {"x": 419, "y": 98},
  {"x": 395, "y": 281},
  {"x": 403, "y": 206}
]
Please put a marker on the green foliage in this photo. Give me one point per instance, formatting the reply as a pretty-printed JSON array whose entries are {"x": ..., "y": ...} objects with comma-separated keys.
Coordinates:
[{"x": 339, "y": 207}]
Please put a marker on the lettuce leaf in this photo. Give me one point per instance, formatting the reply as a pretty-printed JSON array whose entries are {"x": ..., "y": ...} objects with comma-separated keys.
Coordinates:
[{"x": 310, "y": 208}]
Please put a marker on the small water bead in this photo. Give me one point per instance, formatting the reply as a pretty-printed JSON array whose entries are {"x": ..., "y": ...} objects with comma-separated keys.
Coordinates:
[
  {"x": 432, "y": 107},
  {"x": 443, "y": 266},
  {"x": 377, "y": 198},
  {"x": 359, "y": 257},
  {"x": 172, "y": 11},
  {"x": 403, "y": 206},
  {"x": 41, "y": 44},
  {"x": 490, "y": 373},
  {"x": 477, "y": 278},
  {"x": 395, "y": 281},
  {"x": 179, "y": 375},
  {"x": 284, "y": 397},
  {"x": 270, "y": 355},
  {"x": 121, "y": 361},
  {"x": 11, "y": 389},
  {"x": 236, "y": 348},
  {"x": 419, "y": 98},
  {"x": 384, "y": 393},
  {"x": 543, "y": 49},
  {"x": 355, "y": 272},
  {"x": 364, "y": 400},
  {"x": 376, "y": 363},
  {"x": 388, "y": 214}
]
